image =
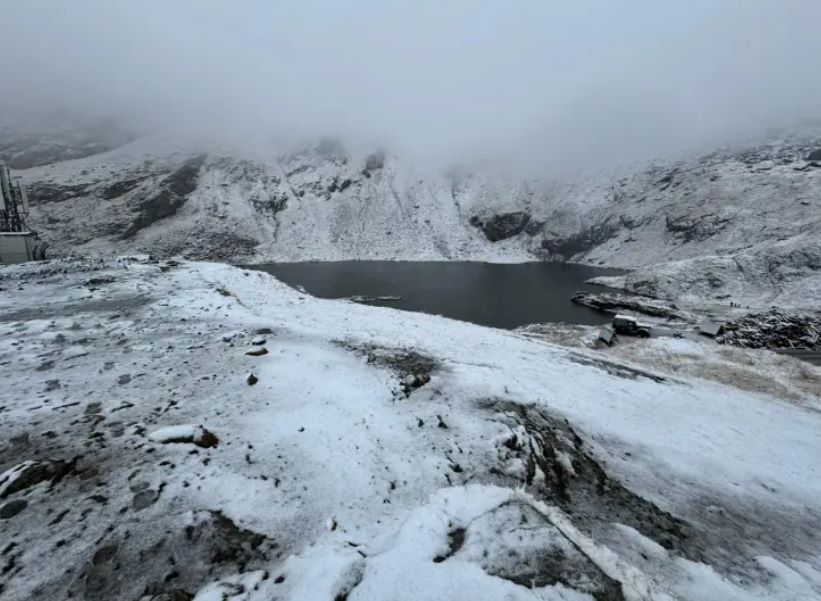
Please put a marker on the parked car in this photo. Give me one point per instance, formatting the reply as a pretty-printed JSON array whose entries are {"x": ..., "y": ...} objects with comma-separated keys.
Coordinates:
[{"x": 629, "y": 326}]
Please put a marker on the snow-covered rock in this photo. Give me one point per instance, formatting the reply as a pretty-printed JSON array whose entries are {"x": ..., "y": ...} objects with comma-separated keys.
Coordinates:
[
  {"x": 785, "y": 274},
  {"x": 184, "y": 433}
]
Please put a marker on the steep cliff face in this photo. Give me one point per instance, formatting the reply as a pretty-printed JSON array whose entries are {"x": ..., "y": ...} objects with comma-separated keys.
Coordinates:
[
  {"x": 317, "y": 203},
  {"x": 325, "y": 203}
]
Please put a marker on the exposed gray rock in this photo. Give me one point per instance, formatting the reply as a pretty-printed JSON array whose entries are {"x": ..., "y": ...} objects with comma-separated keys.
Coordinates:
[
  {"x": 197, "y": 435},
  {"x": 31, "y": 473},
  {"x": 104, "y": 554},
  {"x": 177, "y": 187},
  {"x": 584, "y": 240},
  {"x": 257, "y": 352},
  {"x": 413, "y": 368},
  {"x": 12, "y": 508},
  {"x": 534, "y": 227},
  {"x": 696, "y": 228},
  {"x": 786, "y": 273},
  {"x": 365, "y": 299},
  {"x": 144, "y": 498},
  {"x": 46, "y": 193},
  {"x": 164, "y": 564},
  {"x": 502, "y": 227},
  {"x": 173, "y": 595},
  {"x": 612, "y": 304}
]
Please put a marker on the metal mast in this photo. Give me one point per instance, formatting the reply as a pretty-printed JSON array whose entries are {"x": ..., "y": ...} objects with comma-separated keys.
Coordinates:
[{"x": 14, "y": 205}]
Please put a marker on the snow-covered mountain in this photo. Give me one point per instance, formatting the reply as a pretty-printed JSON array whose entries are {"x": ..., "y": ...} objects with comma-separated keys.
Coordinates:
[{"x": 740, "y": 222}]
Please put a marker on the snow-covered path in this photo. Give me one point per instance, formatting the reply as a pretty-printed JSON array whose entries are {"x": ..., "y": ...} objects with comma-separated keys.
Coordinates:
[{"x": 378, "y": 455}]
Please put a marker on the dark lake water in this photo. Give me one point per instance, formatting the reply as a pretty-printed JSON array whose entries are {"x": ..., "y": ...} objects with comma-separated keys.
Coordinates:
[{"x": 498, "y": 295}]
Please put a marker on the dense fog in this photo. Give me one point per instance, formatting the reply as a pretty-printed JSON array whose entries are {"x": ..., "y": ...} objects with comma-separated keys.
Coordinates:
[{"x": 561, "y": 83}]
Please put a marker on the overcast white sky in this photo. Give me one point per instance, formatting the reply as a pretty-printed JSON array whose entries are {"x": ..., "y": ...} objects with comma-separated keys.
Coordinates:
[{"x": 568, "y": 80}]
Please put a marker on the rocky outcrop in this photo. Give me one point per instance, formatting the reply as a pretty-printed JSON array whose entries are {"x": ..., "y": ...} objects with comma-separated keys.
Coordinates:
[
  {"x": 579, "y": 242},
  {"x": 774, "y": 329},
  {"x": 502, "y": 227},
  {"x": 611, "y": 304},
  {"x": 120, "y": 188},
  {"x": 695, "y": 228},
  {"x": 30, "y": 473},
  {"x": 213, "y": 545},
  {"x": 176, "y": 189},
  {"x": 815, "y": 155},
  {"x": 373, "y": 162},
  {"x": 46, "y": 193}
]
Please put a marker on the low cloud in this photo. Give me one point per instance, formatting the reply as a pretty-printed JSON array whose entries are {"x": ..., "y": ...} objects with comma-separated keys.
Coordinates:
[{"x": 558, "y": 84}]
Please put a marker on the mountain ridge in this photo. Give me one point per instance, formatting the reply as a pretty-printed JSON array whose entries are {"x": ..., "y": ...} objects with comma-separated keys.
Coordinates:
[{"x": 322, "y": 202}]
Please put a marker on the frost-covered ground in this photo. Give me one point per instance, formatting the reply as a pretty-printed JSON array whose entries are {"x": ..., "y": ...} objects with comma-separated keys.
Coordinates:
[
  {"x": 754, "y": 370},
  {"x": 378, "y": 455}
]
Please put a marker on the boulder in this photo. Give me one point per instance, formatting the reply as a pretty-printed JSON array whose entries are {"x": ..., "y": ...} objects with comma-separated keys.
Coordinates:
[
  {"x": 185, "y": 434},
  {"x": 29, "y": 473},
  {"x": 695, "y": 228},
  {"x": 12, "y": 508},
  {"x": 612, "y": 304},
  {"x": 534, "y": 227}
]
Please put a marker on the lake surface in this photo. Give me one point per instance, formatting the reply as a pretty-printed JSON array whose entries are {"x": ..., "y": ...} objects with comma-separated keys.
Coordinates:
[{"x": 497, "y": 295}]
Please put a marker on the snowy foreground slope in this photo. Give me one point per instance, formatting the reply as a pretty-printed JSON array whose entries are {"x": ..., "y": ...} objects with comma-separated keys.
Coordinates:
[
  {"x": 738, "y": 224},
  {"x": 379, "y": 455}
]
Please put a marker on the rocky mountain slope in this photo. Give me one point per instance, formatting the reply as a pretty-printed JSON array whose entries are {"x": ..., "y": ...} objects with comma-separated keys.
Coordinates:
[{"x": 740, "y": 224}]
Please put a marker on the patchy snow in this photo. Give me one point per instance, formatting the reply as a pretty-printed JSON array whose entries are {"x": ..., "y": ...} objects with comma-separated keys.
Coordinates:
[
  {"x": 243, "y": 587},
  {"x": 784, "y": 274},
  {"x": 457, "y": 488},
  {"x": 696, "y": 356}
]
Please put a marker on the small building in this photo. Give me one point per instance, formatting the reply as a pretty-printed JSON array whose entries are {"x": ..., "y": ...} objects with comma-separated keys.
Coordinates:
[
  {"x": 607, "y": 337},
  {"x": 18, "y": 247},
  {"x": 18, "y": 244},
  {"x": 712, "y": 329}
]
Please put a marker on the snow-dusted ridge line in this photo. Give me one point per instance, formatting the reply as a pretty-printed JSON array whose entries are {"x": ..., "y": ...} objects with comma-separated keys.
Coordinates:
[{"x": 736, "y": 224}]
